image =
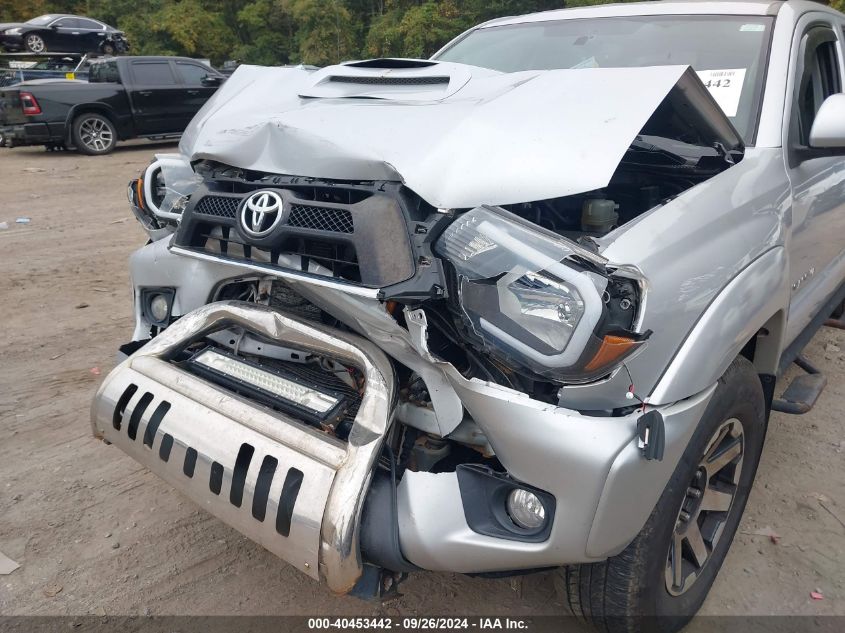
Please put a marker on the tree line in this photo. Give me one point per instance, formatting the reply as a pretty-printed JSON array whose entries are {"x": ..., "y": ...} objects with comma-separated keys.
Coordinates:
[{"x": 272, "y": 32}]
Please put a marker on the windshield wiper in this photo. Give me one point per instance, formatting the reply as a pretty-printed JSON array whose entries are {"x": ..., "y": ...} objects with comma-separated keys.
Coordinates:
[{"x": 678, "y": 153}]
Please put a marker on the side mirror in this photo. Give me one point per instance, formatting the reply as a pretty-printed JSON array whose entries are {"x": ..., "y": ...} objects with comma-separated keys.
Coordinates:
[
  {"x": 828, "y": 131},
  {"x": 211, "y": 81}
]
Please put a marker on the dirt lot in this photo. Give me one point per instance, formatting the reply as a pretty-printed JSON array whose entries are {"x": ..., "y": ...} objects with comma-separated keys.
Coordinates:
[{"x": 96, "y": 534}]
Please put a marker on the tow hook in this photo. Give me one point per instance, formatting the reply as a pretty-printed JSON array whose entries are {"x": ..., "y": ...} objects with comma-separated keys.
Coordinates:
[{"x": 377, "y": 583}]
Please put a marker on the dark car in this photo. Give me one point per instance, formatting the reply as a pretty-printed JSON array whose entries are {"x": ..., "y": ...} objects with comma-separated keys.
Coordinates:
[
  {"x": 124, "y": 97},
  {"x": 63, "y": 33}
]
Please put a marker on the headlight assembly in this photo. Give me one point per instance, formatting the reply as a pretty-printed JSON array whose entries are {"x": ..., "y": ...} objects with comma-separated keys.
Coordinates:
[
  {"x": 160, "y": 194},
  {"x": 15, "y": 31},
  {"x": 168, "y": 183},
  {"x": 533, "y": 298}
]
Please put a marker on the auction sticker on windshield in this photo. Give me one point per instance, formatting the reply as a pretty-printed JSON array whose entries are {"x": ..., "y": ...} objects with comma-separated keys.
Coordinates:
[{"x": 726, "y": 87}]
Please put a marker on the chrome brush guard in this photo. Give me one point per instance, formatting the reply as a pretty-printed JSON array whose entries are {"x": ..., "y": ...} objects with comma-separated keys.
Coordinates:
[{"x": 287, "y": 486}]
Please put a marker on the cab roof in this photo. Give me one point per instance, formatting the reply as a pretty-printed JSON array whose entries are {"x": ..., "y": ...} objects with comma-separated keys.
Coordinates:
[{"x": 667, "y": 7}]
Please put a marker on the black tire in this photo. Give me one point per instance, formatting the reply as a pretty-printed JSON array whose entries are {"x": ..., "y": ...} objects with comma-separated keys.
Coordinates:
[
  {"x": 34, "y": 43},
  {"x": 93, "y": 134},
  {"x": 107, "y": 48},
  {"x": 631, "y": 591}
]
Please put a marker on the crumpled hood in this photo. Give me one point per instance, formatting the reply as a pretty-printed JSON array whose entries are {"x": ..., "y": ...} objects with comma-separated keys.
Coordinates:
[{"x": 459, "y": 136}]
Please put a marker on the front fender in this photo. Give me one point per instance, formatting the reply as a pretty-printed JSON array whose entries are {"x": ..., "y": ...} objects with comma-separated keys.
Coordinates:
[{"x": 757, "y": 296}]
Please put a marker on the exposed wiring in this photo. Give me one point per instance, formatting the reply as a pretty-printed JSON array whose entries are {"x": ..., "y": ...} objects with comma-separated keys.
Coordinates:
[{"x": 632, "y": 394}]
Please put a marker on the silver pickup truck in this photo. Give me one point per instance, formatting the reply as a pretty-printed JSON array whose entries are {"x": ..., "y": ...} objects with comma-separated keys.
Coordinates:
[{"x": 520, "y": 306}]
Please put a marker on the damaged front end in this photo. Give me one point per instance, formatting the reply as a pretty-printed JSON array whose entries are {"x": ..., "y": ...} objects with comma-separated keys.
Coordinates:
[
  {"x": 367, "y": 212},
  {"x": 539, "y": 303}
]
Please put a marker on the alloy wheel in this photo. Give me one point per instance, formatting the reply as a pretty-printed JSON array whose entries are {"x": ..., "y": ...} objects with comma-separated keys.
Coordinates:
[
  {"x": 96, "y": 134},
  {"x": 706, "y": 507},
  {"x": 35, "y": 43}
]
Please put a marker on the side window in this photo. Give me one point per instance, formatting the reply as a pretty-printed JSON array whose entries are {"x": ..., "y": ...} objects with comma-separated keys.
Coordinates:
[
  {"x": 90, "y": 24},
  {"x": 192, "y": 74},
  {"x": 820, "y": 77},
  {"x": 104, "y": 72},
  {"x": 67, "y": 23},
  {"x": 153, "y": 74}
]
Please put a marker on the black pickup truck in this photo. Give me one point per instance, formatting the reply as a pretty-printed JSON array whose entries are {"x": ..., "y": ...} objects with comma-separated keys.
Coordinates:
[{"x": 125, "y": 97}]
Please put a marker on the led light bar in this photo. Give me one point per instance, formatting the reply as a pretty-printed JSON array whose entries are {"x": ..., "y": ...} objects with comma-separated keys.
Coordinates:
[{"x": 278, "y": 391}]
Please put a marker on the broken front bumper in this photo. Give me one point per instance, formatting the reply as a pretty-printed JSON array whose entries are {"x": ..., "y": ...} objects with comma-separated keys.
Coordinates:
[{"x": 299, "y": 493}]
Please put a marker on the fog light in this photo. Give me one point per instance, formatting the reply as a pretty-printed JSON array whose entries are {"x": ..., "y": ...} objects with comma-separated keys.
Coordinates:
[
  {"x": 159, "y": 308},
  {"x": 525, "y": 509}
]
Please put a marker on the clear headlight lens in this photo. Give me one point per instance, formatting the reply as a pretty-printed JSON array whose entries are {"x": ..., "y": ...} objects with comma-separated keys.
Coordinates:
[
  {"x": 551, "y": 307},
  {"x": 15, "y": 31},
  {"x": 532, "y": 297}
]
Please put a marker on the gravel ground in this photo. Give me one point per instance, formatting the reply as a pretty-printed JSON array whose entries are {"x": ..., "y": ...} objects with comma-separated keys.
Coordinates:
[{"x": 94, "y": 533}]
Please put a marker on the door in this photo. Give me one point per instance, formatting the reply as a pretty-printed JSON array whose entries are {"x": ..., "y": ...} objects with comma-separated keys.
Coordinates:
[
  {"x": 154, "y": 94},
  {"x": 91, "y": 35},
  {"x": 194, "y": 93},
  {"x": 816, "y": 244},
  {"x": 63, "y": 36}
]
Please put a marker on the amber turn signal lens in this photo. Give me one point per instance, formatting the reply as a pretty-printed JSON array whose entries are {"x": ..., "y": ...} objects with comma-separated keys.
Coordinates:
[
  {"x": 612, "y": 350},
  {"x": 139, "y": 192}
]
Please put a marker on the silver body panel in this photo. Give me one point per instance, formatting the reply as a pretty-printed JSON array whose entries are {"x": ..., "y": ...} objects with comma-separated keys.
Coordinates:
[{"x": 602, "y": 485}]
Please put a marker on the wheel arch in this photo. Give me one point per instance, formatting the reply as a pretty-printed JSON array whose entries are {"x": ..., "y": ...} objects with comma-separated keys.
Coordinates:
[{"x": 95, "y": 108}]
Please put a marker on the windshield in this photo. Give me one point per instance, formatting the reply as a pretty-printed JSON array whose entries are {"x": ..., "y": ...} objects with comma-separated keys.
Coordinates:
[
  {"x": 41, "y": 20},
  {"x": 728, "y": 52}
]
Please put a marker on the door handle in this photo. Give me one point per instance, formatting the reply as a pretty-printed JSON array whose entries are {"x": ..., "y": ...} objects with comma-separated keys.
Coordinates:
[
  {"x": 145, "y": 93},
  {"x": 193, "y": 92}
]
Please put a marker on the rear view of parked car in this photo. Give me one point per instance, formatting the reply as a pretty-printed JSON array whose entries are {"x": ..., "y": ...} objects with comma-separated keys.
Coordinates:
[
  {"x": 63, "y": 33},
  {"x": 125, "y": 97}
]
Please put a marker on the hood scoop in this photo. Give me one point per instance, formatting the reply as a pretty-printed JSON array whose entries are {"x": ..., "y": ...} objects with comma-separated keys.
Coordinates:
[
  {"x": 391, "y": 62},
  {"x": 389, "y": 79}
]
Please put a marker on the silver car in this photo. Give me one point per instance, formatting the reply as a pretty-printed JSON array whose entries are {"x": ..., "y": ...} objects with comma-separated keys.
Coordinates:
[{"x": 517, "y": 307}]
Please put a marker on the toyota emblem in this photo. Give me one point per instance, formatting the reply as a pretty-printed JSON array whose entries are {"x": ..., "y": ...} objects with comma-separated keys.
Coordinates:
[{"x": 260, "y": 213}]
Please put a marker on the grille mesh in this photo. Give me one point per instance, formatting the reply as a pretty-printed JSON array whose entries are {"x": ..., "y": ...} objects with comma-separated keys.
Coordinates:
[
  {"x": 219, "y": 206},
  {"x": 321, "y": 218},
  {"x": 301, "y": 215}
]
